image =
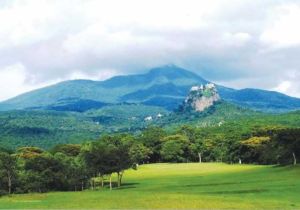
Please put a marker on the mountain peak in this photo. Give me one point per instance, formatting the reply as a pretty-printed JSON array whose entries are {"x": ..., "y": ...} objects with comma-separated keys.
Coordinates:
[
  {"x": 164, "y": 86},
  {"x": 165, "y": 68},
  {"x": 164, "y": 74},
  {"x": 172, "y": 71}
]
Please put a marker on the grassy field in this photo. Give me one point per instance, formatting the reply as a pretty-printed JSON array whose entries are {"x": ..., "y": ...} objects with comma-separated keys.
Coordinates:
[{"x": 194, "y": 185}]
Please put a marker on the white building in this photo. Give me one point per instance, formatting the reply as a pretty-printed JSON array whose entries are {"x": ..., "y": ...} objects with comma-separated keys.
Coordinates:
[
  {"x": 149, "y": 118},
  {"x": 196, "y": 88},
  {"x": 159, "y": 115}
]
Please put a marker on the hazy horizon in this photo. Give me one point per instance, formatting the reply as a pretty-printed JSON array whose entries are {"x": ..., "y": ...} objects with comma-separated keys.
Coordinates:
[{"x": 99, "y": 80}]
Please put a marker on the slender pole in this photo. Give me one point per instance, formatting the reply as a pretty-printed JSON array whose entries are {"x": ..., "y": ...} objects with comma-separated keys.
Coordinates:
[
  {"x": 200, "y": 158},
  {"x": 295, "y": 160},
  {"x": 118, "y": 179},
  {"x": 110, "y": 184},
  {"x": 9, "y": 184}
]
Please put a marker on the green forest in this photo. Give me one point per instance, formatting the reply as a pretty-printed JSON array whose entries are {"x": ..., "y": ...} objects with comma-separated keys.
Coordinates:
[
  {"x": 46, "y": 129},
  {"x": 46, "y": 151},
  {"x": 73, "y": 167}
]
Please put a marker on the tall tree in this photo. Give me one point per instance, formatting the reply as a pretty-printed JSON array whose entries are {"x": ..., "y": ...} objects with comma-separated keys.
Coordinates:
[
  {"x": 288, "y": 144},
  {"x": 139, "y": 153},
  {"x": 94, "y": 155},
  {"x": 119, "y": 147},
  {"x": 174, "y": 148},
  {"x": 152, "y": 137},
  {"x": 8, "y": 167},
  {"x": 67, "y": 149},
  {"x": 50, "y": 169}
]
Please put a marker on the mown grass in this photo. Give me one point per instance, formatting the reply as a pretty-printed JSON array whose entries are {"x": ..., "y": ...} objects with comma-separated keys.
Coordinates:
[{"x": 193, "y": 185}]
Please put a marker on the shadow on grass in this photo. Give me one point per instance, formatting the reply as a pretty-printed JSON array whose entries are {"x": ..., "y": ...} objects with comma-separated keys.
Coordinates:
[
  {"x": 222, "y": 183},
  {"x": 287, "y": 167},
  {"x": 125, "y": 186}
]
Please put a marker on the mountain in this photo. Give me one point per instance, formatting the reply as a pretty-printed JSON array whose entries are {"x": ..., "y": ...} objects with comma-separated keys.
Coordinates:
[
  {"x": 202, "y": 107},
  {"x": 114, "y": 90},
  {"x": 261, "y": 99},
  {"x": 165, "y": 86},
  {"x": 46, "y": 129}
]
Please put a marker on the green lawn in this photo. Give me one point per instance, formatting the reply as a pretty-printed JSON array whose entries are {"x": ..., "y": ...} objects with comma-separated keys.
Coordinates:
[{"x": 193, "y": 185}]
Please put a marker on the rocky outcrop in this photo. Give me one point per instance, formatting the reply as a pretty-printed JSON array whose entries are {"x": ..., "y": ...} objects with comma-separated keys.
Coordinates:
[{"x": 201, "y": 97}]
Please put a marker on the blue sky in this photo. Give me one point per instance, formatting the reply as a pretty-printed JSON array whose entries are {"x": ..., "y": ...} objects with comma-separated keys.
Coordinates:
[{"x": 237, "y": 43}]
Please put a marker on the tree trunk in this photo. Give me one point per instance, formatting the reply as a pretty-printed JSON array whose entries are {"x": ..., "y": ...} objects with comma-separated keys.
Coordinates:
[
  {"x": 119, "y": 182},
  {"x": 82, "y": 186},
  {"x": 9, "y": 183},
  {"x": 240, "y": 161},
  {"x": 295, "y": 160},
  {"x": 92, "y": 184},
  {"x": 99, "y": 175},
  {"x": 200, "y": 157},
  {"x": 102, "y": 181},
  {"x": 110, "y": 184},
  {"x": 121, "y": 176}
]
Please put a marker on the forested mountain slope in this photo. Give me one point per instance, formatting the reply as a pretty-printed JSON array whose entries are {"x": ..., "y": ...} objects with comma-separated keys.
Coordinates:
[{"x": 164, "y": 86}]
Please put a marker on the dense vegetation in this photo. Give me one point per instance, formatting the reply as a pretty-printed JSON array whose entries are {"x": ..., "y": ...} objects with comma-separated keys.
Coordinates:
[
  {"x": 62, "y": 151},
  {"x": 64, "y": 167},
  {"x": 74, "y": 167},
  {"x": 46, "y": 129}
]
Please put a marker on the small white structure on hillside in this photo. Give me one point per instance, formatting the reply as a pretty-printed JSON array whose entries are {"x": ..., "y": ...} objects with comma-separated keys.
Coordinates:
[
  {"x": 149, "y": 118},
  {"x": 210, "y": 86},
  {"x": 197, "y": 88}
]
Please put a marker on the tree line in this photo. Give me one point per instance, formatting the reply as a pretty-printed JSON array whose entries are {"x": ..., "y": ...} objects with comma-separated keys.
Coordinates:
[{"x": 72, "y": 167}]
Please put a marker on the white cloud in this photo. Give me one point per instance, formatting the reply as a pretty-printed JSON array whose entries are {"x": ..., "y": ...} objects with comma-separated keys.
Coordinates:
[
  {"x": 21, "y": 23},
  {"x": 15, "y": 80},
  {"x": 152, "y": 14},
  {"x": 289, "y": 83},
  {"x": 102, "y": 75},
  {"x": 289, "y": 87},
  {"x": 283, "y": 86},
  {"x": 283, "y": 28},
  {"x": 238, "y": 42},
  {"x": 235, "y": 39},
  {"x": 12, "y": 79}
]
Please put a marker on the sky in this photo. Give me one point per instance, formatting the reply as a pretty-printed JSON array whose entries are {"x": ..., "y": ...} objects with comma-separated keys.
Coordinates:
[{"x": 236, "y": 43}]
